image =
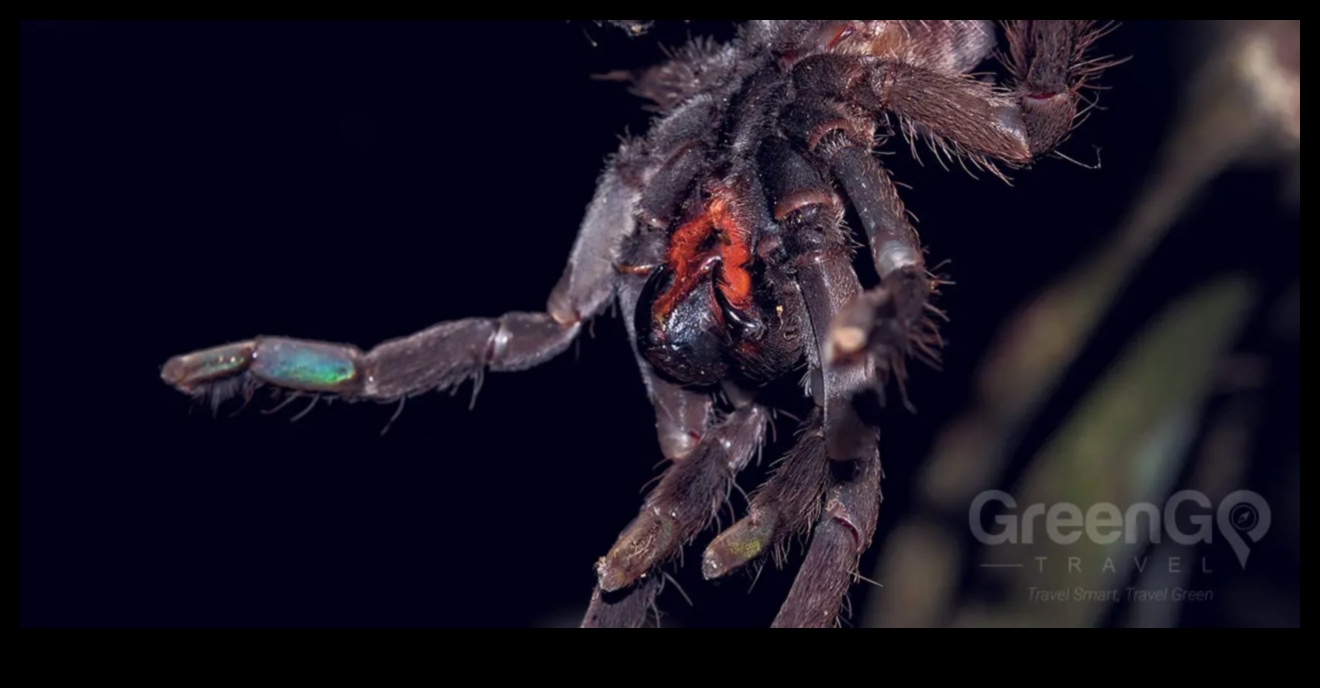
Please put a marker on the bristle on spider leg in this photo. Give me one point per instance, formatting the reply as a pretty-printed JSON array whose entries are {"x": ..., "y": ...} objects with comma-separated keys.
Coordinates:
[
  {"x": 310, "y": 405},
  {"x": 398, "y": 411},
  {"x": 285, "y": 397},
  {"x": 215, "y": 393},
  {"x": 1049, "y": 62}
]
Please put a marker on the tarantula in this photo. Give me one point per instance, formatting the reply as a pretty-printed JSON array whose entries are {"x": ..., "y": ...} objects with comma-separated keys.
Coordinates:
[{"x": 720, "y": 235}]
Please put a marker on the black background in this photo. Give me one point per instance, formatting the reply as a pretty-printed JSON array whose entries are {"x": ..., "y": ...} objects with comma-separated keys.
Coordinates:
[{"x": 188, "y": 184}]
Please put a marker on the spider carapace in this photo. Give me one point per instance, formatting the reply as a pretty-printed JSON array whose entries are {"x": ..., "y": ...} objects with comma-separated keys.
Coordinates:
[{"x": 720, "y": 235}]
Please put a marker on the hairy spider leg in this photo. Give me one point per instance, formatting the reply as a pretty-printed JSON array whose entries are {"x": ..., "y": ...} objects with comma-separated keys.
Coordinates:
[
  {"x": 961, "y": 117},
  {"x": 892, "y": 321},
  {"x": 842, "y": 534},
  {"x": 844, "y": 521},
  {"x": 840, "y": 497},
  {"x": 441, "y": 356},
  {"x": 787, "y": 504},
  {"x": 791, "y": 499},
  {"x": 681, "y": 419},
  {"x": 685, "y": 500},
  {"x": 628, "y": 608}
]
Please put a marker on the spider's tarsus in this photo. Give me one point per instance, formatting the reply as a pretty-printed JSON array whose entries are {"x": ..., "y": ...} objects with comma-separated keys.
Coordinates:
[
  {"x": 743, "y": 542},
  {"x": 640, "y": 546}
]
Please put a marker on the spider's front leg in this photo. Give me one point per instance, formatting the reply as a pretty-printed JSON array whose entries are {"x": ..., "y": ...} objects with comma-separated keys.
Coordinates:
[
  {"x": 961, "y": 116},
  {"x": 677, "y": 510},
  {"x": 892, "y": 321},
  {"x": 438, "y": 357},
  {"x": 842, "y": 534},
  {"x": 1049, "y": 63},
  {"x": 686, "y": 499},
  {"x": 852, "y": 504},
  {"x": 840, "y": 499}
]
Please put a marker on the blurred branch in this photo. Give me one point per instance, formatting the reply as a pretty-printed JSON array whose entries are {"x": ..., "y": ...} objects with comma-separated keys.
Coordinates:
[
  {"x": 1243, "y": 105},
  {"x": 1214, "y": 131},
  {"x": 1124, "y": 444}
]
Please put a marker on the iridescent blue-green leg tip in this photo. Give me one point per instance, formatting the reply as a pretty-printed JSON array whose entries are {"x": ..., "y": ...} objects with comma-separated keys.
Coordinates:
[{"x": 188, "y": 371}]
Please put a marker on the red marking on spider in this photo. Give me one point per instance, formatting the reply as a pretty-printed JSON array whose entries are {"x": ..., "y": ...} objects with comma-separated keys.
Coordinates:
[
  {"x": 715, "y": 236},
  {"x": 735, "y": 252}
]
